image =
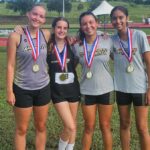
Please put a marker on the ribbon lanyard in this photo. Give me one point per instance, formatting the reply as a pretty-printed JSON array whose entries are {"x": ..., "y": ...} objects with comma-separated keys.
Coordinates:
[
  {"x": 129, "y": 54},
  {"x": 89, "y": 59},
  {"x": 35, "y": 49},
  {"x": 61, "y": 60}
]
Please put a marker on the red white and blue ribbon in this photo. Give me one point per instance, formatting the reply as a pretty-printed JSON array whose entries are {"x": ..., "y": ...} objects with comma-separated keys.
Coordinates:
[
  {"x": 35, "y": 48},
  {"x": 129, "y": 54},
  {"x": 89, "y": 59},
  {"x": 61, "y": 60}
]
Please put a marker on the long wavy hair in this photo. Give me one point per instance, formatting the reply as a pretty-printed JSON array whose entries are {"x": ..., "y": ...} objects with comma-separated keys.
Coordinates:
[{"x": 52, "y": 41}]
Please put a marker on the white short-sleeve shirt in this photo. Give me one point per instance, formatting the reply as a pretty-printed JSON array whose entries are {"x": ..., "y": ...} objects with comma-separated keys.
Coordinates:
[
  {"x": 101, "y": 81},
  {"x": 136, "y": 81}
]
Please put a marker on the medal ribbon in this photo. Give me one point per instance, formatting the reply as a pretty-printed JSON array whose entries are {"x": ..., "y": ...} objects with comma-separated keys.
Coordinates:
[
  {"x": 89, "y": 59},
  {"x": 128, "y": 55},
  {"x": 61, "y": 60},
  {"x": 35, "y": 49}
]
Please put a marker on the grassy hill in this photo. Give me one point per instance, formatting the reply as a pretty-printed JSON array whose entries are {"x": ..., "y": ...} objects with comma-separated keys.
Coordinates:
[{"x": 136, "y": 12}]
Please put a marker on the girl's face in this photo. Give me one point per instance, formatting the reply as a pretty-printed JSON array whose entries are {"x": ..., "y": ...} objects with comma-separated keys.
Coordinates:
[
  {"x": 89, "y": 25},
  {"x": 61, "y": 29},
  {"x": 119, "y": 20},
  {"x": 36, "y": 16}
]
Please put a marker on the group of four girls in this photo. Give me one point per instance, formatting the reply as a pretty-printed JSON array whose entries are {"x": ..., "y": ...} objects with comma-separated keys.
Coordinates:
[{"x": 29, "y": 85}]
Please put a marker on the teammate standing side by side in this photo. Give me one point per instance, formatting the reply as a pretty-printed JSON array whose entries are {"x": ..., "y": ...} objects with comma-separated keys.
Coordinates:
[
  {"x": 28, "y": 87},
  {"x": 96, "y": 85},
  {"x": 131, "y": 77},
  {"x": 64, "y": 84}
]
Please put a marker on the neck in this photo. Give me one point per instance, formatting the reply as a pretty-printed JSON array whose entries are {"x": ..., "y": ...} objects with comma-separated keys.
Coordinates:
[
  {"x": 90, "y": 39},
  {"x": 123, "y": 34},
  {"x": 60, "y": 41},
  {"x": 32, "y": 30},
  {"x": 60, "y": 44}
]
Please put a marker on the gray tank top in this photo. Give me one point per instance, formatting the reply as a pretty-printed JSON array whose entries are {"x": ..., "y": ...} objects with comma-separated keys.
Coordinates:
[{"x": 25, "y": 77}]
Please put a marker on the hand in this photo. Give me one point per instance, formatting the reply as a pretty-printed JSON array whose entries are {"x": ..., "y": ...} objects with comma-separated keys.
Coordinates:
[
  {"x": 105, "y": 35},
  {"x": 71, "y": 40},
  {"x": 147, "y": 99},
  {"x": 18, "y": 29},
  {"x": 11, "y": 98}
]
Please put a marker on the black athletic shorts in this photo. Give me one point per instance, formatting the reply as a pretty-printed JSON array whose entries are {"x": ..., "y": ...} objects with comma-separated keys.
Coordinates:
[
  {"x": 138, "y": 99},
  {"x": 104, "y": 99},
  {"x": 29, "y": 98}
]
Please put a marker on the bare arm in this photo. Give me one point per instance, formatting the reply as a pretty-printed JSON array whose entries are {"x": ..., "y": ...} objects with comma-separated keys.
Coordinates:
[
  {"x": 13, "y": 42},
  {"x": 147, "y": 61}
]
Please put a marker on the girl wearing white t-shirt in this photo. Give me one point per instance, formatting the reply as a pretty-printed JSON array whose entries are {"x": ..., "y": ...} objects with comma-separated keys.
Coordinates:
[{"x": 131, "y": 77}]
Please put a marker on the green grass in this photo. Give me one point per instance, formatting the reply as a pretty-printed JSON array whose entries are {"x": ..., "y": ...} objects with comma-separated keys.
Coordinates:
[{"x": 54, "y": 124}]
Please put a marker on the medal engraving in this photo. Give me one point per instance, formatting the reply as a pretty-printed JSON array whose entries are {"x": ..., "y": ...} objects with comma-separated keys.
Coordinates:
[
  {"x": 63, "y": 77},
  {"x": 89, "y": 75},
  {"x": 35, "y": 68},
  {"x": 130, "y": 68}
]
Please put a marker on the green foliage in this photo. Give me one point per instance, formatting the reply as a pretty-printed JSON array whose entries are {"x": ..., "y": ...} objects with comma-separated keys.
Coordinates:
[
  {"x": 21, "y": 5},
  {"x": 80, "y": 6},
  {"x": 51, "y": 5},
  {"x": 94, "y": 4}
]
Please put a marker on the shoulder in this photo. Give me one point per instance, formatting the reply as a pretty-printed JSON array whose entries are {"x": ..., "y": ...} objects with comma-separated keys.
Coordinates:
[
  {"x": 46, "y": 33},
  {"x": 139, "y": 33},
  {"x": 14, "y": 37}
]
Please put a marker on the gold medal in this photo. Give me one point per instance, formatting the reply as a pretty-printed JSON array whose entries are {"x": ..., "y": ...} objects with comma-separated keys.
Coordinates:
[
  {"x": 35, "y": 68},
  {"x": 89, "y": 75},
  {"x": 130, "y": 68},
  {"x": 63, "y": 77}
]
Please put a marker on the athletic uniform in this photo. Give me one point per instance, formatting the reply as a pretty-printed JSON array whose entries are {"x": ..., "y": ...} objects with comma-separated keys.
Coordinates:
[
  {"x": 30, "y": 87},
  {"x": 135, "y": 82},
  {"x": 63, "y": 89},
  {"x": 101, "y": 82}
]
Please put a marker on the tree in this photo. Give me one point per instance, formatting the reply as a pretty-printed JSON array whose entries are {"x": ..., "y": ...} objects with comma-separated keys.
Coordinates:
[
  {"x": 21, "y": 5},
  {"x": 80, "y": 6},
  {"x": 94, "y": 4},
  {"x": 57, "y": 5}
]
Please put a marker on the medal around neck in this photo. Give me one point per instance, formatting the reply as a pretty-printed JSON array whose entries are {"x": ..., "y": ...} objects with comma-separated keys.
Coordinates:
[
  {"x": 89, "y": 58},
  {"x": 36, "y": 68},
  {"x": 130, "y": 68},
  {"x": 89, "y": 75}
]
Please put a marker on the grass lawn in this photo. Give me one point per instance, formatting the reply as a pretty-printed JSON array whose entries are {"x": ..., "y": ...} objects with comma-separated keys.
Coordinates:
[{"x": 54, "y": 125}]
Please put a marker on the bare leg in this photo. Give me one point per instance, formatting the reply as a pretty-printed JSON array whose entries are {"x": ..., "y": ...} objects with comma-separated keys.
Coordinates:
[
  {"x": 40, "y": 118},
  {"x": 73, "y": 109},
  {"x": 141, "y": 114},
  {"x": 105, "y": 114},
  {"x": 65, "y": 114},
  {"x": 22, "y": 117},
  {"x": 124, "y": 112},
  {"x": 89, "y": 115}
]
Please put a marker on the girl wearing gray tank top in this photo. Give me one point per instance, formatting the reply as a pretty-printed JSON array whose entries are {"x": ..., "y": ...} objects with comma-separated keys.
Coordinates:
[{"x": 23, "y": 99}]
